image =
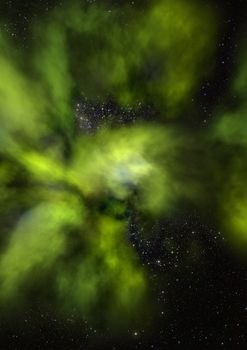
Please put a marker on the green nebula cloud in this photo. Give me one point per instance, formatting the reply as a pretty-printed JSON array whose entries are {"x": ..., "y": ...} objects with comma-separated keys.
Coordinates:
[
  {"x": 144, "y": 157},
  {"x": 158, "y": 55},
  {"x": 37, "y": 241},
  {"x": 54, "y": 180},
  {"x": 230, "y": 133}
]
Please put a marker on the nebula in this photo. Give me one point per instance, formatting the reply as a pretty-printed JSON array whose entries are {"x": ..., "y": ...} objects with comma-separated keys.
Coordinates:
[{"x": 66, "y": 195}]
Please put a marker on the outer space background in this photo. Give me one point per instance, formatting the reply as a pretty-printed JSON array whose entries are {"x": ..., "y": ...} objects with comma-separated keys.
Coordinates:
[{"x": 176, "y": 276}]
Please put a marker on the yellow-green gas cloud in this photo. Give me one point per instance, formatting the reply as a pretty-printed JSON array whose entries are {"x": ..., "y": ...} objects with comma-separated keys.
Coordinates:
[
  {"x": 54, "y": 179},
  {"x": 230, "y": 133},
  {"x": 157, "y": 55}
]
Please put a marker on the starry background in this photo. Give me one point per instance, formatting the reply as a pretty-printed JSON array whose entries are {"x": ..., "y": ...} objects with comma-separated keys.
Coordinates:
[{"x": 198, "y": 284}]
